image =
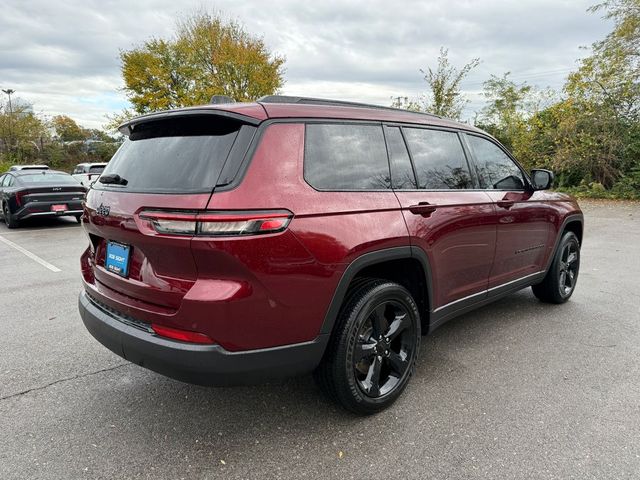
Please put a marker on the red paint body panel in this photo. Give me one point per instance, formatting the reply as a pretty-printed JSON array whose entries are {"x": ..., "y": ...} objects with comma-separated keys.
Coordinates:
[
  {"x": 523, "y": 235},
  {"x": 245, "y": 292},
  {"x": 254, "y": 292},
  {"x": 459, "y": 238}
]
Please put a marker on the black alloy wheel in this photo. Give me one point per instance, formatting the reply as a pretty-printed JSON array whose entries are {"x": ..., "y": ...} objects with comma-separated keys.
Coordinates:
[
  {"x": 568, "y": 269},
  {"x": 561, "y": 278},
  {"x": 384, "y": 349},
  {"x": 373, "y": 349}
]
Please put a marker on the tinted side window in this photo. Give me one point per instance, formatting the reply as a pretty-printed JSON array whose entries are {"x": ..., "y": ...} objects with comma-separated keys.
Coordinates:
[
  {"x": 495, "y": 169},
  {"x": 439, "y": 159},
  {"x": 346, "y": 157},
  {"x": 402, "y": 176}
]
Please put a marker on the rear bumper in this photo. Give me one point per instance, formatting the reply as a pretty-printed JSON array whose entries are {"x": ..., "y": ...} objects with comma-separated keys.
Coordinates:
[
  {"x": 199, "y": 364},
  {"x": 25, "y": 215},
  {"x": 43, "y": 209}
]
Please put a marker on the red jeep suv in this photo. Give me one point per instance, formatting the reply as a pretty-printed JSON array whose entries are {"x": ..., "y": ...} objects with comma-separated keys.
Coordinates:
[{"x": 245, "y": 242}]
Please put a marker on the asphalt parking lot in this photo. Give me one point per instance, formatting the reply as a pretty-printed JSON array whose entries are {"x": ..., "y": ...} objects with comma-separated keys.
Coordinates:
[{"x": 518, "y": 389}]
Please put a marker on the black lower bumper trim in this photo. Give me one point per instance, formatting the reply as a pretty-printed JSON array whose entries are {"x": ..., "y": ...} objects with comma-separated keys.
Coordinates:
[
  {"x": 26, "y": 214},
  {"x": 199, "y": 364}
]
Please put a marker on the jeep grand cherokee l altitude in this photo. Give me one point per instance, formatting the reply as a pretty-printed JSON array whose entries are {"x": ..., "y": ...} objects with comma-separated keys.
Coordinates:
[{"x": 238, "y": 243}]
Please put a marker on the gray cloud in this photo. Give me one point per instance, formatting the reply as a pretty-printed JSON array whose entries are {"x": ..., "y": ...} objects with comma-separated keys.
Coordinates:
[{"x": 64, "y": 56}]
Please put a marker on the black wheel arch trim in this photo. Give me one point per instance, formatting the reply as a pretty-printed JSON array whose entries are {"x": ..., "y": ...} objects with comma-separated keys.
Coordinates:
[
  {"x": 369, "y": 259},
  {"x": 398, "y": 253},
  {"x": 575, "y": 217}
]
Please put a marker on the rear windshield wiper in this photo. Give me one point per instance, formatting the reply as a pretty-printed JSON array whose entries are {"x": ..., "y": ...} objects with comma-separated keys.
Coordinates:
[{"x": 113, "y": 178}]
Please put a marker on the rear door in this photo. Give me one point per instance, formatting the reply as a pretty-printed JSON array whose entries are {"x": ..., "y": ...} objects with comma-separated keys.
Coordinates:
[
  {"x": 166, "y": 168},
  {"x": 453, "y": 223},
  {"x": 523, "y": 221}
]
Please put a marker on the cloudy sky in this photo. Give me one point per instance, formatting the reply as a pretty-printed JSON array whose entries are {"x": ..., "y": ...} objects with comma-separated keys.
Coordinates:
[{"x": 63, "y": 56}]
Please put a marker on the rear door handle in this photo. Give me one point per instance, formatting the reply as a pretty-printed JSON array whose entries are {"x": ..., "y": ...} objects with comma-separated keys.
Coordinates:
[
  {"x": 423, "y": 208},
  {"x": 506, "y": 204}
]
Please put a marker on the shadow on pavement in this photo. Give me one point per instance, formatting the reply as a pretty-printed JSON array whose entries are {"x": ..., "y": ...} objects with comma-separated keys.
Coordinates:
[{"x": 34, "y": 224}]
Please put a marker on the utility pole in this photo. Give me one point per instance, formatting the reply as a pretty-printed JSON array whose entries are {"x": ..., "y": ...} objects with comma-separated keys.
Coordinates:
[{"x": 9, "y": 92}]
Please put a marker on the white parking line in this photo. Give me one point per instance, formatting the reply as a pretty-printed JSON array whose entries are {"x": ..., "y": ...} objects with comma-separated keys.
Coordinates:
[
  {"x": 40, "y": 230},
  {"x": 32, "y": 256}
]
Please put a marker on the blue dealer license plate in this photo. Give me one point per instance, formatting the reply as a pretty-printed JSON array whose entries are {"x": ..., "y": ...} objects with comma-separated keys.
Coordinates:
[{"x": 117, "y": 258}]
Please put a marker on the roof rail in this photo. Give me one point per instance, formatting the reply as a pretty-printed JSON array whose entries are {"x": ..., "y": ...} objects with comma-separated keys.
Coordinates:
[{"x": 336, "y": 103}]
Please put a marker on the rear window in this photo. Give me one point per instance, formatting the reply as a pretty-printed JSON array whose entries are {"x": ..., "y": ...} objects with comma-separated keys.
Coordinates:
[
  {"x": 180, "y": 155},
  {"x": 56, "y": 178},
  {"x": 346, "y": 157}
]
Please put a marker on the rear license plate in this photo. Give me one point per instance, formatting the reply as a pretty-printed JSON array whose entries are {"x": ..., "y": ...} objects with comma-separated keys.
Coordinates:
[
  {"x": 59, "y": 208},
  {"x": 117, "y": 258}
]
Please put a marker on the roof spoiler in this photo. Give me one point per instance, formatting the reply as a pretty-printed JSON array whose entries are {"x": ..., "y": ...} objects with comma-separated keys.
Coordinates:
[{"x": 128, "y": 127}]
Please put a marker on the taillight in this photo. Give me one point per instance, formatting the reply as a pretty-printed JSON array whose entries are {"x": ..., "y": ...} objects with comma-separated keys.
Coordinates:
[
  {"x": 226, "y": 223},
  {"x": 182, "y": 335},
  {"x": 172, "y": 222},
  {"x": 19, "y": 196}
]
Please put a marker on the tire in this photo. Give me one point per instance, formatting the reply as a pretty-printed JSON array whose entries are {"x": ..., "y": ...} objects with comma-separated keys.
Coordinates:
[
  {"x": 374, "y": 347},
  {"x": 9, "y": 219},
  {"x": 79, "y": 219},
  {"x": 560, "y": 282}
]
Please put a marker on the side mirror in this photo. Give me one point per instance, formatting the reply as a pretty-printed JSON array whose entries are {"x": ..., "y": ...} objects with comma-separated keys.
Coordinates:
[{"x": 541, "y": 179}]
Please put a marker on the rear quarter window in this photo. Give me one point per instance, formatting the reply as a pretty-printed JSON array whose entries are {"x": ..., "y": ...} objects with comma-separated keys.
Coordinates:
[{"x": 346, "y": 157}]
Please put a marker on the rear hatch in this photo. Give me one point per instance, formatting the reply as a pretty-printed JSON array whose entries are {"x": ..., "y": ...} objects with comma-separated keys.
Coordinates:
[
  {"x": 171, "y": 163},
  {"x": 46, "y": 187},
  {"x": 51, "y": 193}
]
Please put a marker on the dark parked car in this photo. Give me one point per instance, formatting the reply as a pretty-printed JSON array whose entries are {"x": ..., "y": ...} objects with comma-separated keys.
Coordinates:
[
  {"x": 237, "y": 243},
  {"x": 31, "y": 193}
]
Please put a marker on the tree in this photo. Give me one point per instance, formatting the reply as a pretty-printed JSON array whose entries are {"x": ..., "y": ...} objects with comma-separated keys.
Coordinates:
[
  {"x": 507, "y": 100},
  {"x": 116, "y": 119},
  {"x": 506, "y": 114},
  {"x": 208, "y": 56},
  {"x": 67, "y": 130},
  {"x": 598, "y": 129},
  {"x": 445, "y": 97},
  {"x": 405, "y": 103},
  {"x": 20, "y": 132}
]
